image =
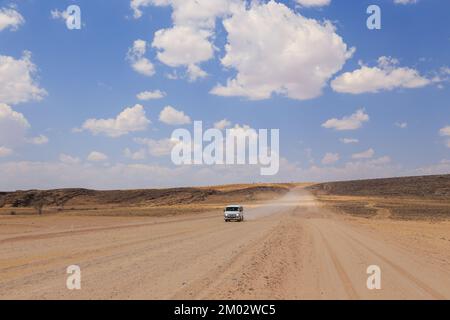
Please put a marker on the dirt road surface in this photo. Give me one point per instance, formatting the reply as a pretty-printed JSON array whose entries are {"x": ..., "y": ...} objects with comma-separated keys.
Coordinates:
[{"x": 289, "y": 249}]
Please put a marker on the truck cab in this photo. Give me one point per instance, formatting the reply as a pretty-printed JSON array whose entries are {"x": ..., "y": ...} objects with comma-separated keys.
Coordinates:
[{"x": 234, "y": 213}]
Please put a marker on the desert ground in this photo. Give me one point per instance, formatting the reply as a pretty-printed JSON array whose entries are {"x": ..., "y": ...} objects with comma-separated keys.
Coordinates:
[{"x": 299, "y": 241}]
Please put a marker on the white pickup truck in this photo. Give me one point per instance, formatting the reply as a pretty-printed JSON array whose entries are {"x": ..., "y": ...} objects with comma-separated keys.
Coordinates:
[{"x": 235, "y": 213}]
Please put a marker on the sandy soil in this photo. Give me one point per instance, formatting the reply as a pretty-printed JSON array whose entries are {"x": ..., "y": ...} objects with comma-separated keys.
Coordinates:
[{"x": 290, "y": 249}]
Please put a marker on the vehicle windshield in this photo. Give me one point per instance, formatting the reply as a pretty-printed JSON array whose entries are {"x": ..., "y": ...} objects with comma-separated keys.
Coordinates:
[{"x": 232, "y": 209}]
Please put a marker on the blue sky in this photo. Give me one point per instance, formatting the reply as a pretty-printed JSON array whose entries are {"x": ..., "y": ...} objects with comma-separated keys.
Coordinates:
[{"x": 297, "y": 67}]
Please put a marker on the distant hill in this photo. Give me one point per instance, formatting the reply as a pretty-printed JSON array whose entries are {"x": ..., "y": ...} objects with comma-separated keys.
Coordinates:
[
  {"x": 144, "y": 197},
  {"x": 435, "y": 187}
]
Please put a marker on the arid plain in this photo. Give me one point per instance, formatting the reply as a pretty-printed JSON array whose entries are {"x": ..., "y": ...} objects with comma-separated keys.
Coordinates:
[{"x": 299, "y": 241}]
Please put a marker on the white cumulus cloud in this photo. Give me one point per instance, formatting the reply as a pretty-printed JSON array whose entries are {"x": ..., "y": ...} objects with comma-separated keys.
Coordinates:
[
  {"x": 405, "y": 1},
  {"x": 276, "y": 51},
  {"x": 59, "y": 15},
  {"x": 184, "y": 46},
  {"x": 353, "y": 122},
  {"x": 401, "y": 125},
  {"x": 151, "y": 95},
  {"x": 313, "y": 3},
  {"x": 189, "y": 41},
  {"x": 364, "y": 155},
  {"x": 170, "y": 115},
  {"x": 445, "y": 132},
  {"x": 387, "y": 75},
  {"x": 157, "y": 148},
  {"x": 13, "y": 126},
  {"x": 129, "y": 120},
  {"x": 10, "y": 19},
  {"x": 96, "y": 156},
  {"x": 68, "y": 159},
  {"x": 194, "y": 72},
  {"x": 349, "y": 140},
  {"x": 330, "y": 158},
  {"x": 17, "y": 80},
  {"x": 136, "y": 155},
  {"x": 39, "y": 140},
  {"x": 195, "y": 13},
  {"x": 136, "y": 57}
]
